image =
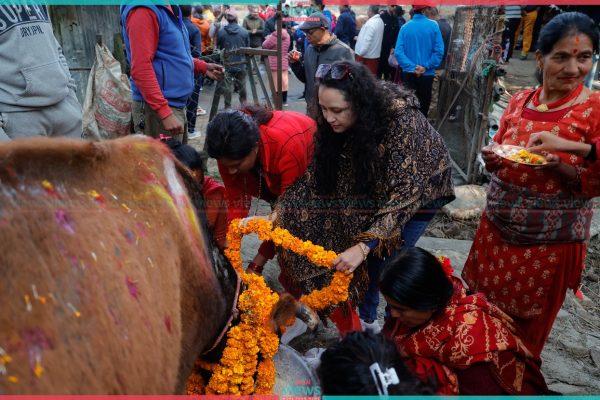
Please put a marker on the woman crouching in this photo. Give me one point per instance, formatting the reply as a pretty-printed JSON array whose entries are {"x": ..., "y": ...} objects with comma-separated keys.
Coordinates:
[{"x": 468, "y": 345}]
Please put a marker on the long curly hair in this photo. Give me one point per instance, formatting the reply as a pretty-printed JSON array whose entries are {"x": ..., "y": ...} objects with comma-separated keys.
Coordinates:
[{"x": 371, "y": 101}]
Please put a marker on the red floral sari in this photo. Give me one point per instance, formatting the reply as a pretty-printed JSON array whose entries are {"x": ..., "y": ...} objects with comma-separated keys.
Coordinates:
[
  {"x": 529, "y": 281},
  {"x": 468, "y": 332}
]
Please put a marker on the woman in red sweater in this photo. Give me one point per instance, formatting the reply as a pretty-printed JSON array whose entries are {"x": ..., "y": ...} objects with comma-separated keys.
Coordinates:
[{"x": 260, "y": 153}]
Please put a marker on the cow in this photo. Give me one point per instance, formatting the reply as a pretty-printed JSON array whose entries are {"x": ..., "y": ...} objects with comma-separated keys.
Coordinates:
[{"x": 108, "y": 281}]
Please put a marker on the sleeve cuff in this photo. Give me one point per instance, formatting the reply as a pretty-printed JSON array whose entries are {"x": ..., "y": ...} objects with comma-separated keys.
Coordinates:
[
  {"x": 164, "y": 111},
  {"x": 267, "y": 250},
  {"x": 200, "y": 67},
  {"x": 372, "y": 244}
]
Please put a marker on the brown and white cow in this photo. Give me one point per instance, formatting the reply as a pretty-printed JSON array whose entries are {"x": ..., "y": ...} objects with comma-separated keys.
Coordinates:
[{"x": 107, "y": 283}]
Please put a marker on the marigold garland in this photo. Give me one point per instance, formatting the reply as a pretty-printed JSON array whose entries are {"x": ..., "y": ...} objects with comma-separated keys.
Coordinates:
[
  {"x": 195, "y": 384},
  {"x": 239, "y": 365},
  {"x": 335, "y": 293}
]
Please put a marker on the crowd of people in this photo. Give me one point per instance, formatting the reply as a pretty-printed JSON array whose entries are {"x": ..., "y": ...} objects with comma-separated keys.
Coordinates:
[{"x": 363, "y": 173}]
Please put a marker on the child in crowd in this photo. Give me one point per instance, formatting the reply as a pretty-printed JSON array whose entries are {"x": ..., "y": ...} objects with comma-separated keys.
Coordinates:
[
  {"x": 364, "y": 363},
  {"x": 213, "y": 192}
]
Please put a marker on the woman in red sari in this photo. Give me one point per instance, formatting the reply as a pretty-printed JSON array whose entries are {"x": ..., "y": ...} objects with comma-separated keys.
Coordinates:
[
  {"x": 531, "y": 241},
  {"x": 463, "y": 343}
]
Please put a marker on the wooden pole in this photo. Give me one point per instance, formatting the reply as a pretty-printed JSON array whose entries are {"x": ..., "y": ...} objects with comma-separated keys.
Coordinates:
[
  {"x": 481, "y": 127},
  {"x": 278, "y": 94}
]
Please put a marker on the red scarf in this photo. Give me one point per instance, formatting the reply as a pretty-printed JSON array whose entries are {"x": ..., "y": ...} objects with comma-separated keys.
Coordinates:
[{"x": 469, "y": 330}]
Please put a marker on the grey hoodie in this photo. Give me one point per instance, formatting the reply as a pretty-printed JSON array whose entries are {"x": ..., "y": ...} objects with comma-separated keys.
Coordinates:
[{"x": 34, "y": 73}]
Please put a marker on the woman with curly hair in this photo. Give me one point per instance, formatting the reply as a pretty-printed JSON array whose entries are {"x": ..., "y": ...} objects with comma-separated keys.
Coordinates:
[{"x": 378, "y": 174}]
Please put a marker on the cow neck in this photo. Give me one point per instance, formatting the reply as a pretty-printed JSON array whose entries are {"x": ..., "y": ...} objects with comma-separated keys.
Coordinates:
[{"x": 215, "y": 351}]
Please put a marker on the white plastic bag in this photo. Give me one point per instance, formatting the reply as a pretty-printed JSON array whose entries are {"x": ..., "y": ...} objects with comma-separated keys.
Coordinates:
[{"x": 107, "y": 104}]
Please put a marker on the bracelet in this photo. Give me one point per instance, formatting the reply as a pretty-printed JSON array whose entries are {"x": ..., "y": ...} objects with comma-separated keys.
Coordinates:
[
  {"x": 365, "y": 249},
  {"x": 255, "y": 268}
]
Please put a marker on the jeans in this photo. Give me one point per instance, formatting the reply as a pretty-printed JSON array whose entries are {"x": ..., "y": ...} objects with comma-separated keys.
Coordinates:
[
  {"x": 413, "y": 230},
  {"x": 192, "y": 104}
]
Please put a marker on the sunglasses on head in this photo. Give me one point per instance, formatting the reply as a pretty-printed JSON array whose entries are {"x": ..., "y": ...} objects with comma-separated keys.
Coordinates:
[{"x": 335, "y": 71}]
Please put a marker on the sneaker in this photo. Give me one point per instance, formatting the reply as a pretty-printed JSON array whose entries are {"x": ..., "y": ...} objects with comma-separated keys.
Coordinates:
[
  {"x": 291, "y": 332},
  {"x": 200, "y": 111},
  {"x": 523, "y": 57},
  {"x": 194, "y": 135},
  {"x": 370, "y": 326},
  {"x": 286, "y": 105}
]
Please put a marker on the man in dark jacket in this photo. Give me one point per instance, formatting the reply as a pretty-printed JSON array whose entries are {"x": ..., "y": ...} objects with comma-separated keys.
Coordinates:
[
  {"x": 345, "y": 30},
  {"x": 445, "y": 28},
  {"x": 232, "y": 37},
  {"x": 270, "y": 26},
  {"x": 324, "y": 48},
  {"x": 391, "y": 27}
]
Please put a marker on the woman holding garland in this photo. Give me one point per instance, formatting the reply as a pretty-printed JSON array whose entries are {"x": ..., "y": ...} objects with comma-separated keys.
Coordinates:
[{"x": 378, "y": 175}]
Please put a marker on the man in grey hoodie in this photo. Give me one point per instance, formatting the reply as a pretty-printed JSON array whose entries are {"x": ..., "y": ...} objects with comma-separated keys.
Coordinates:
[
  {"x": 325, "y": 48},
  {"x": 231, "y": 37},
  {"x": 37, "y": 94}
]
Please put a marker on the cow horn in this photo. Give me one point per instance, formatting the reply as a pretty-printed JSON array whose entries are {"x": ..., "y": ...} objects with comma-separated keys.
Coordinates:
[{"x": 307, "y": 315}]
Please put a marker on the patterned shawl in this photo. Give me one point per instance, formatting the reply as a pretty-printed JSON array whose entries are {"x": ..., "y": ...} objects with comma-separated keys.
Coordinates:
[
  {"x": 469, "y": 330},
  {"x": 413, "y": 170}
]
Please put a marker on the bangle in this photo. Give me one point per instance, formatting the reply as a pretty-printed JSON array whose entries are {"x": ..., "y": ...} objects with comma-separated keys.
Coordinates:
[
  {"x": 255, "y": 268},
  {"x": 365, "y": 249},
  {"x": 592, "y": 155}
]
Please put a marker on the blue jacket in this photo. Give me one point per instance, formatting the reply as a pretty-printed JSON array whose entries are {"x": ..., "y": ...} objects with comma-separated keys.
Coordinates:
[
  {"x": 329, "y": 16},
  {"x": 172, "y": 62},
  {"x": 345, "y": 29},
  {"x": 419, "y": 43}
]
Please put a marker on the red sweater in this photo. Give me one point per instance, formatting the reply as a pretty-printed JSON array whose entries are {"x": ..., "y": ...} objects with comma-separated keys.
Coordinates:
[
  {"x": 286, "y": 145},
  {"x": 216, "y": 209},
  {"x": 142, "y": 28}
]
